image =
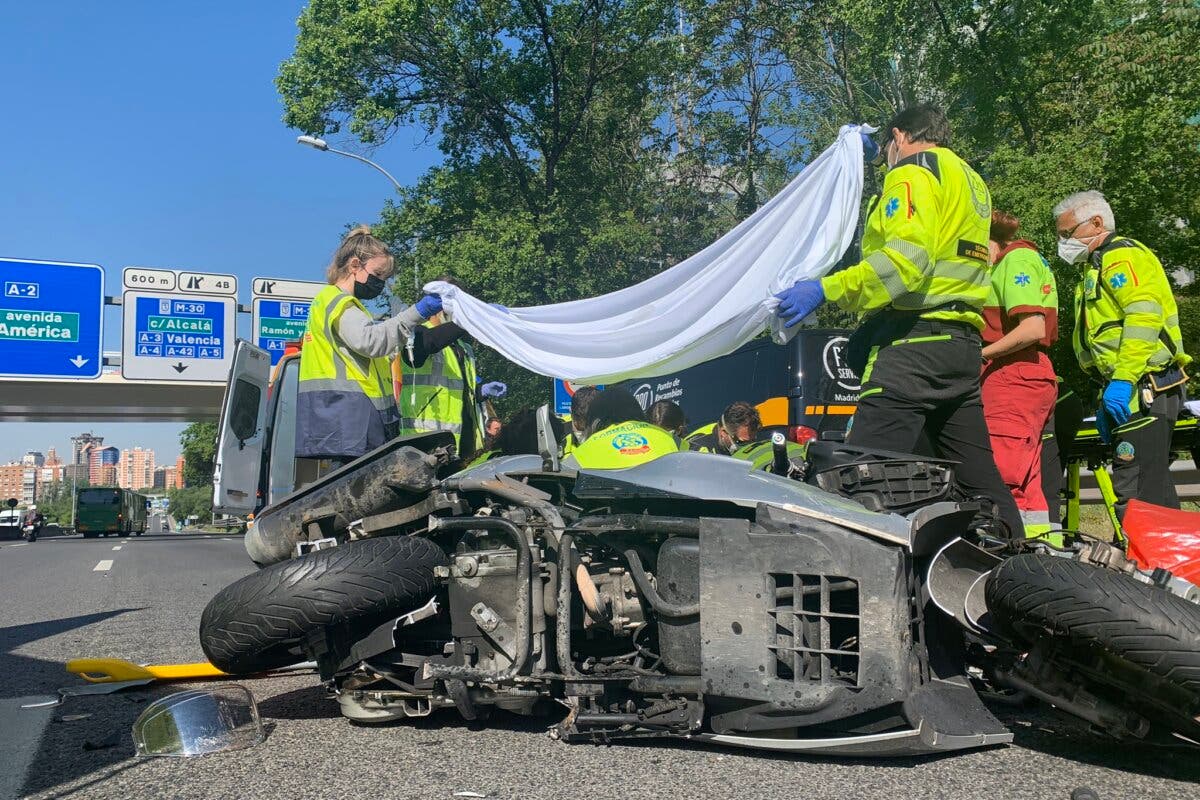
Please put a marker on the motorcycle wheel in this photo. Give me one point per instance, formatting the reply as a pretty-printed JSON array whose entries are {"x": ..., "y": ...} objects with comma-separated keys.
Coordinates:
[
  {"x": 257, "y": 623},
  {"x": 1034, "y": 595}
]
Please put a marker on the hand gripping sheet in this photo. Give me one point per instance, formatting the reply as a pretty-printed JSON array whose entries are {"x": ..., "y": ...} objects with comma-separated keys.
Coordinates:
[{"x": 705, "y": 306}]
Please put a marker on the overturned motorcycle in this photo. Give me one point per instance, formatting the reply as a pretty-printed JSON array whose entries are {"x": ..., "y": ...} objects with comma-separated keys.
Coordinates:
[{"x": 854, "y": 607}]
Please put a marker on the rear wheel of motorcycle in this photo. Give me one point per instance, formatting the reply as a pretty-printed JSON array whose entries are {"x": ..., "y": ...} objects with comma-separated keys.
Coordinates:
[
  {"x": 1033, "y": 595},
  {"x": 257, "y": 623}
]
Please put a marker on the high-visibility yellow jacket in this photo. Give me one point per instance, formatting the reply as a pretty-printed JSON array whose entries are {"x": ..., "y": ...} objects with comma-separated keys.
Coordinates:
[
  {"x": 924, "y": 244},
  {"x": 344, "y": 405},
  {"x": 761, "y": 453},
  {"x": 437, "y": 394},
  {"x": 1126, "y": 320},
  {"x": 625, "y": 445}
]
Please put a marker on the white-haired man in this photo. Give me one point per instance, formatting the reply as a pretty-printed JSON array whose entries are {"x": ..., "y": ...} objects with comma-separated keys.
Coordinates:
[{"x": 1127, "y": 339}]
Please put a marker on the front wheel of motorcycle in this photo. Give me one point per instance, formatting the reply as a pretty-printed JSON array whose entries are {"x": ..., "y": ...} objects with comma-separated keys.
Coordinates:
[
  {"x": 1151, "y": 632},
  {"x": 259, "y": 622}
]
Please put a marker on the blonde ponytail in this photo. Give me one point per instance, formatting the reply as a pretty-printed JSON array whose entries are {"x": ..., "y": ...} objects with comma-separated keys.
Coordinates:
[{"x": 359, "y": 243}]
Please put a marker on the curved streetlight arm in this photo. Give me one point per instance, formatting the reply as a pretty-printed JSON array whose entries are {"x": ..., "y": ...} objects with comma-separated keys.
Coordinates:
[
  {"x": 370, "y": 163},
  {"x": 323, "y": 146}
]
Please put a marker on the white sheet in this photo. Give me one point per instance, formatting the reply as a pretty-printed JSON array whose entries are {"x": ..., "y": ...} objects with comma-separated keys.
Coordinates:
[{"x": 703, "y": 307}]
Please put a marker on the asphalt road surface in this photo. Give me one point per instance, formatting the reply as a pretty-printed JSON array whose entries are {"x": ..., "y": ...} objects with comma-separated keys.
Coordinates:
[{"x": 141, "y": 598}]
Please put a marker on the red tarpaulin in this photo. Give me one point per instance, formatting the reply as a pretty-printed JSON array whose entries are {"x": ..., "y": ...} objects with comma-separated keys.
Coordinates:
[{"x": 1164, "y": 537}]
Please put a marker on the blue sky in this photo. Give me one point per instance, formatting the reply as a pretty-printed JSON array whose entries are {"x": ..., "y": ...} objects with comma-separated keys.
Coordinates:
[{"x": 149, "y": 133}]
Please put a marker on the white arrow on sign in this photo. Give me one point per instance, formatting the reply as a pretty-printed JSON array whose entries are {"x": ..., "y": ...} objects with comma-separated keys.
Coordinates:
[{"x": 79, "y": 361}]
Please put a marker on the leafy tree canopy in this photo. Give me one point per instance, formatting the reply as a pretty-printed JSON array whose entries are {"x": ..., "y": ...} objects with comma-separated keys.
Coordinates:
[{"x": 590, "y": 143}]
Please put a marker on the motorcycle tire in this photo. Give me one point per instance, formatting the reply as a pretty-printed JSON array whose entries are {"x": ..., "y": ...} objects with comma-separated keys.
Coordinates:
[
  {"x": 1030, "y": 595},
  {"x": 258, "y": 622}
]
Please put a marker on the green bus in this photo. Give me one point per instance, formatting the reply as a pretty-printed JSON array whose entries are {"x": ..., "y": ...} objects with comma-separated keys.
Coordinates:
[{"x": 101, "y": 510}]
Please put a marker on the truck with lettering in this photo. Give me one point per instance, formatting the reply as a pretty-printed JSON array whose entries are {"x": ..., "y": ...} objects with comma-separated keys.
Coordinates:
[{"x": 803, "y": 388}]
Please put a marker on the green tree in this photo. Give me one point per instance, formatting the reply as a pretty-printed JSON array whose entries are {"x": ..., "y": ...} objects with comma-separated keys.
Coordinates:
[
  {"x": 198, "y": 443},
  {"x": 552, "y": 186},
  {"x": 55, "y": 501},
  {"x": 191, "y": 501},
  {"x": 588, "y": 144}
]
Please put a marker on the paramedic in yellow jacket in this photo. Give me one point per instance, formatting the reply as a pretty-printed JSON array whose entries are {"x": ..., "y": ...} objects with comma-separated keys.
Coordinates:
[
  {"x": 441, "y": 390},
  {"x": 920, "y": 287},
  {"x": 345, "y": 405},
  {"x": 1127, "y": 339},
  {"x": 619, "y": 435}
]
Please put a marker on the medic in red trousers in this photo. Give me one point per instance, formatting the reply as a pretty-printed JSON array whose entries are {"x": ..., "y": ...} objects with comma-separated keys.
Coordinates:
[{"x": 1019, "y": 385}]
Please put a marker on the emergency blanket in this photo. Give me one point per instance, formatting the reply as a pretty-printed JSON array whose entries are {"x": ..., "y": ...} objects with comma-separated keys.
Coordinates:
[
  {"x": 1164, "y": 537},
  {"x": 705, "y": 306}
]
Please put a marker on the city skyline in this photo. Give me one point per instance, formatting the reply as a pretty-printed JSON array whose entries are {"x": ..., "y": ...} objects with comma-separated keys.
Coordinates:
[{"x": 61, "y": 443}]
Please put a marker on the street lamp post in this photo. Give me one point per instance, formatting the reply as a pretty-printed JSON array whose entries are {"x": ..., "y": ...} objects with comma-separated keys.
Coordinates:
[{"x": 322, "y": 145}]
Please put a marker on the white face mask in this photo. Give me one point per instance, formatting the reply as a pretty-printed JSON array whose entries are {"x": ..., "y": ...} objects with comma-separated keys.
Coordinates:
[
  {"x": 1072, "y": 251},
  {"x": 1075, "y": 250}
]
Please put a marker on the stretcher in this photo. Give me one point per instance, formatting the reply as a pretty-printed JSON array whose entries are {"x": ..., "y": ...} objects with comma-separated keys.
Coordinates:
[{"x": 1090, "y": 450}]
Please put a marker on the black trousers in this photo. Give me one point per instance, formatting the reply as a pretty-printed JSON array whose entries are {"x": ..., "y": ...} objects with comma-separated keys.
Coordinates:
[
  {"x": 1142, "y": 453},
  {"x": 927, "y": 385},
  {"x": 1057, "y": 441}
]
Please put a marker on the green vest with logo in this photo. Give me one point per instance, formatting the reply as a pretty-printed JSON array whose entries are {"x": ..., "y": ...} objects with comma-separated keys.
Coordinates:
[
  {"x": 625, "y": 445},
  {"x": 436, "y": 394}
]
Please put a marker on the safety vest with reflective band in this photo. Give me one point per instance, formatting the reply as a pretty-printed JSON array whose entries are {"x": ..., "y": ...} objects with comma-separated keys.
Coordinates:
[
  {"x": 761, "y": 454},
  {"x": 625, "y": 445},
  {"x": 1126, "y": 320},
  {"x": 432, "y": 398},
  {"x": 924, "y": 245},
  {"x": 703, "y": 438},
  {"x": 1022, "y": 283},
  {"x": 345, "y": 406}
]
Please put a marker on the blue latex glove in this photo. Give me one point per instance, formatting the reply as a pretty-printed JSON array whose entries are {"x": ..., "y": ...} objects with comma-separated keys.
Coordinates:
[
  {"x": 1116, "y": 401},
  {"x": 799, "y": 301},
  {"x": 429, "y": 306},
  {"x": 1102, "y": 426},
  {"x": 870, "y": 147},
  {"x": 494, "y": 390}
]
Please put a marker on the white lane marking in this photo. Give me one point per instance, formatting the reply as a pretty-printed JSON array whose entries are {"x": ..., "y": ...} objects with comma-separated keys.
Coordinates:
[
  {"x": 103, "y": 566},
  {"x": 118, "y": 547},
  {"x": 226, "y": 539},
  {"x": 22, "y": 544}
]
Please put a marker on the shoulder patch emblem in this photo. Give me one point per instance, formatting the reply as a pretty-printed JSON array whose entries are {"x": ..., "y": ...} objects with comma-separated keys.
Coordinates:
[
  {"x": 1118, "y": 280},
  {"x": 1047, "y": 288},
  {"x": 1089, "y": 284},
  {"x": 892, "y": 207},
  {"x": 1125, "y": 451},
  {"x": 1022, "y": 279}
]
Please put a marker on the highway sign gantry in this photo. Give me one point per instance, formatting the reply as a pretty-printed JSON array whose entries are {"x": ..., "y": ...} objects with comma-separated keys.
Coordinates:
[
  {"x": 50, "y": 319},
  {"x": 177, "y": 325},
  {"x": 280, "y": 312}
]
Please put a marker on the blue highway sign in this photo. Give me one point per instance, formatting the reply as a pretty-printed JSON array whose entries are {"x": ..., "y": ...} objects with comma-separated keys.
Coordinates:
[
  {"x": 50, "y": 319},
  {"x": 177, "y": 337},
  {"x": 277, "y": 322}
]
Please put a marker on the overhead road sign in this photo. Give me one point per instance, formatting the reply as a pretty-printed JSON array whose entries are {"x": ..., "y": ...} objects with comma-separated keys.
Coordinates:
[
  {"x": 50, "y": 319},
  {"x": 184, "y": 333},
  {"x": 280, "y": 312}
]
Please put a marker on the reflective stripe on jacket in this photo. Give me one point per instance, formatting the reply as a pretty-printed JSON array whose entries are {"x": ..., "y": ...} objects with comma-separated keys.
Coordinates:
[
  {"x": 625, "y": 445},
  {"x": 1126, "y": 320},
  {"x": 435, "y": 396},
  {"x": 761, "y": 453},
  {"x": 344, "y": 400},
  {"x": 924, "y": 245}
]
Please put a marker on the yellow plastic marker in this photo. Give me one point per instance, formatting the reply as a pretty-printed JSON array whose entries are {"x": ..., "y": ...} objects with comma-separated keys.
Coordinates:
[{"x": 108, "y": 670}]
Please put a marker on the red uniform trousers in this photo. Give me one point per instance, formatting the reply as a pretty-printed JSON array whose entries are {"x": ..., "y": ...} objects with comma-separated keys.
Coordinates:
[{"x": 1019, "y": 391}]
